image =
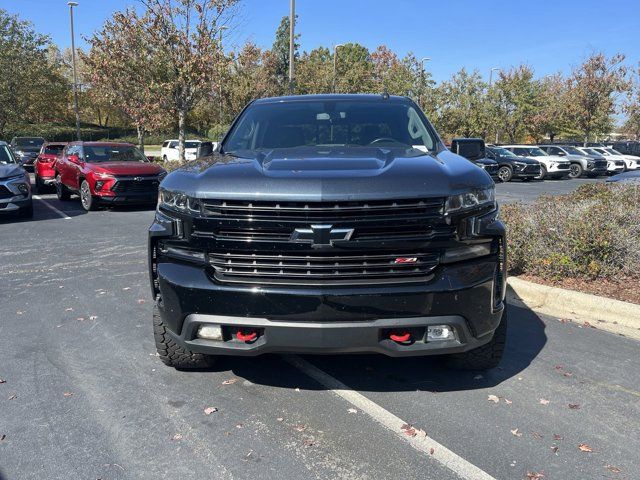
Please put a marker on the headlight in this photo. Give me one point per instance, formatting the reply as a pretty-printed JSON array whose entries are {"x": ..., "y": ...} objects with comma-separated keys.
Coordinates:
[
  {"x": 178, "y": 202},
  {"x": 103, "y": 176},
  {"x": 470, "y": 200}
]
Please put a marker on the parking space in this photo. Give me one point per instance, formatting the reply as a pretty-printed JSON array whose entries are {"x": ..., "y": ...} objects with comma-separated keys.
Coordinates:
[{"x": 81, "y": 365}]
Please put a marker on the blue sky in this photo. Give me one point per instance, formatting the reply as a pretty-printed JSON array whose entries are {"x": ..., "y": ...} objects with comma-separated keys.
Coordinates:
[{"x": 549, "y": 35}]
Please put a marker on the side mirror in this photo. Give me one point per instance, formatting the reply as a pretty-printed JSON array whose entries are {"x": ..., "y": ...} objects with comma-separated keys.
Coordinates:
[
  {"x": 561, "y": 154},
  {"x": 74, "y": 159}
]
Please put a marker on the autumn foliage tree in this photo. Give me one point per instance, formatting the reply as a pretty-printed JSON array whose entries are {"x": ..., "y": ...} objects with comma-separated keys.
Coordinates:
[{"x": 126, "y": 68}]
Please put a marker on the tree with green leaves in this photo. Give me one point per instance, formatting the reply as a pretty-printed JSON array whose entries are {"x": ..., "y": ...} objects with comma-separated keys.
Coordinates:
[
  {"x": 592, "y": 93},
  {"x": 32, "y": 87},
  {"x": 552, "y": 116},
  {"x": 462, "y": 109},
  {"x": 631, "y": 125},
  {"x": 354, "y": 69},
  {"x": 516, "y": 101},
  {"x": 279, "y": 56},
  {"x": 315, "y": 72}
]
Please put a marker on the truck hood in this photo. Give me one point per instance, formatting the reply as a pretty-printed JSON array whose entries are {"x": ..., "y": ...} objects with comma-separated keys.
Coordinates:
[
  {"x": 10, "y": 170},
  {"x": 328, "y": 174},
  {"x": 126, "y": 168}
]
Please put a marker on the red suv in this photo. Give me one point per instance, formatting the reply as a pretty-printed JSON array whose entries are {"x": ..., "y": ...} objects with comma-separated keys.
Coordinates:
[
  {"x": 43, "y": 168},
  {"x": 107, "y": 173}
]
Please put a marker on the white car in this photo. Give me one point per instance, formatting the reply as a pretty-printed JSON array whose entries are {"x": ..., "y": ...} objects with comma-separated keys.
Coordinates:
[
  {"x": 552, "y": 166},
  {"x": 614, "y": 164},
  {"x": 631, "y": 161},
  {"x": 169, "y": 151}
]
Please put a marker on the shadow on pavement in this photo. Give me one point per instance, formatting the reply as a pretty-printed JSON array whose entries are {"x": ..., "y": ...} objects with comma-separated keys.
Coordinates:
[{"x": 377, "y": 373}]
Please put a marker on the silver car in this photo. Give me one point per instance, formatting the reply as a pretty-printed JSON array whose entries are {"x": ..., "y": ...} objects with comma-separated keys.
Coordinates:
[{"x": 15, "y": 185}]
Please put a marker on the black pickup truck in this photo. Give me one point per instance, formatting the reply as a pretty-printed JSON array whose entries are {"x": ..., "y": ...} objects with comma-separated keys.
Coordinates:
[{"x": 329, "y": 224}]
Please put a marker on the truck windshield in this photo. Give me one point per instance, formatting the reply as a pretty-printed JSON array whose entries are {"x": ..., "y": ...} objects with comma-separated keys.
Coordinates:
[
  {"x": 6, "y": 156},
  {"x": 328, "y": 123},
  {"x": 112, "y": 153}
]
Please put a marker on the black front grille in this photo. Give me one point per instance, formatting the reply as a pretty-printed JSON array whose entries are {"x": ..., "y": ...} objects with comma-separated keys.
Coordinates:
[
  {"x": 5, "y": 192},
  {"x": 600, "y": 164},
  {"x": 140, "y": 185},
  {"x": 332, "y": 268},
  {"x": 564, "y": 166},
  {"x": 253, "y": 242},
  {"x": 531, "y": 169},
  {"x": 324, "y": 211},
  {"x": 619, "y": 163}
]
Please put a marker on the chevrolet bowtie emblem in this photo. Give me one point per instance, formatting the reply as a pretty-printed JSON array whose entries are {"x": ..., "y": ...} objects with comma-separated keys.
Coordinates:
[{"x": 321, "y": 235}]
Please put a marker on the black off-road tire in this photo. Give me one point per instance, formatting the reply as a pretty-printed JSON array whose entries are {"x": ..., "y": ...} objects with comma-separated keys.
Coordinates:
[
  {"x": 575, "y": 170},
  {"x": 485, "y": 357},
  {"x": 173, "y": 354}
]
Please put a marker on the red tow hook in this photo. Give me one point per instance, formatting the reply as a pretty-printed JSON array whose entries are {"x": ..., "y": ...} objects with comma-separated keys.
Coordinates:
[
  {"x": 403, "y": 337},
  {"x": 246, "y": 337}
]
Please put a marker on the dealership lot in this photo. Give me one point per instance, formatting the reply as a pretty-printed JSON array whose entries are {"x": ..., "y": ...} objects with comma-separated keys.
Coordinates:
[{"x": 80, "y": 364}]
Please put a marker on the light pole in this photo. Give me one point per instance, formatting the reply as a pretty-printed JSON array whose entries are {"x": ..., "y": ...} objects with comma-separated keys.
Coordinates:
[
  {"x": 75, "y": 77},
  {"x": 491, "y": 75},
  {"x": 220, "y": 79},
  {"x": 422, "y": 60},
  {"x": 490, "y": 83},
  {"x": 292, "y": 37},
  {"x": 335, "y": 56}
]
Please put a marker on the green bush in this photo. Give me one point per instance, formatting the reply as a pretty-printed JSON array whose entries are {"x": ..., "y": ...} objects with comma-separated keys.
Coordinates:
[
  {"x": 591, "y": 233},
  {"x": 54, "y": 132}
]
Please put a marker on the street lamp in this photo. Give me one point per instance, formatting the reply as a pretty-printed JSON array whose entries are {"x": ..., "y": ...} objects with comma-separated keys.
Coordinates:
[
  {"x": 335, "y": 55},
  {"x": 491, "y": 74},
  {"x": 422, "y": 60},
  {"x": 292, "y": 38},
  {"x": 220, "y": 79},
  {"x": 75, "y": 77}
]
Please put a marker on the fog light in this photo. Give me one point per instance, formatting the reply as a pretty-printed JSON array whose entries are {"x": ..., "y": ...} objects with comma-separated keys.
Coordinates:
[
  {"x": 440, "y": 332},
  {"x": 210, "y": 332},
  {"x": 99, "y": 184},
  {"x": 24, "y": 188}
]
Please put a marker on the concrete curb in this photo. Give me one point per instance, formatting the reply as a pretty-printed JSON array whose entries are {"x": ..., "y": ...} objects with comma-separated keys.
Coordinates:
[{"x": 605, "y": 313}]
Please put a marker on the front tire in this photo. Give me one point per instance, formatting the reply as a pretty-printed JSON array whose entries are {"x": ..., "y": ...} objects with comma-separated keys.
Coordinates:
[
  {"x": 61, "y": 191},
  {"x": 487, "y": 356},
  {"x": 575, "y": 170},
  {"x": 505, "y": 173},
  {"x": 543, "y": 173},
  {"x": 89, "y": 203},
  {"x": 173, "y": 354}
]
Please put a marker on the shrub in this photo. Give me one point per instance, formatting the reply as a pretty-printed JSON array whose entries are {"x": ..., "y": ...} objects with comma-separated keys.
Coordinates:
[{"x": 591, "y": 233}]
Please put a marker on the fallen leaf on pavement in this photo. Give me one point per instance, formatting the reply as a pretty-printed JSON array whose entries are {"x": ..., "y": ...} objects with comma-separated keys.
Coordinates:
[
  {"x": 536, "y": 435},
  {"x": 141, "y": 301},
  {"x": 583, "y": 447},
  {"x": 431, "y": 451},
  {"x": 535, "y": 475},
  {"x": 508, "y": 402},
  {"x": 13, "y": 396},
  {"x": 352, "y": 410},
  {"x": 2, "y": 437},
  {"x": 231, "y": 381},
  {"x": 177, "y": 436},
  {"x": 210, "y": 410},
  {"x": 408, "y": 430},
  {"x": 80, "y": 319},
  {"x": 574, "y": 406},
  {"x": 493, "y": 398},
  {"x": 280, "y": 419},
  {"x": 300, "y": 427},
  {"x": 516, "y": 432},
  {"x": 587, "y": 324},
  {"x": 568, "y": 374},
  {"x": 613, "y": 469},
  {"x": 557, "y": 437},
  {"x": 554, "y": 449},
  {"x": 2, "y": 381},
  {"x": 544, "y": 401},
  {"x": 19, "y": 312},
  {"x": 126, "y": 288},
  {"x": 68, "y": 309},
  {"x": 308, "y": 442},
  {"x": 93, "y": 317},
  {"x": 240, "y": 425},
  {"x": 68, "y": 394}
]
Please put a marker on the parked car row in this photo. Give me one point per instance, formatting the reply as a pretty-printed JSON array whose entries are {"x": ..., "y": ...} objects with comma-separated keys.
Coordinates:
[
  {"x": 100, "y": 173},
  {"x": 539, "y": 162}
]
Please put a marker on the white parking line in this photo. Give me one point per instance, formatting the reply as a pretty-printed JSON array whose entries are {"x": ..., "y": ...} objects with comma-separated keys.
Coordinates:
[
  {"x": 423, "y": 444},
  {"x": 48, "y": 205}
]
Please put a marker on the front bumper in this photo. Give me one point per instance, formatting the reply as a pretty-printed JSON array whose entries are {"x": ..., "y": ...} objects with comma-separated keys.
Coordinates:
[
  {"x": 129, "y": 198},
  {"x": 11, "y": 198}
]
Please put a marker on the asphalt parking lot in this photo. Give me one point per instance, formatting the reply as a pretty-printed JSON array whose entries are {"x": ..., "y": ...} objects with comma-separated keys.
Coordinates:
[{"x": 84, "y": 396}]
